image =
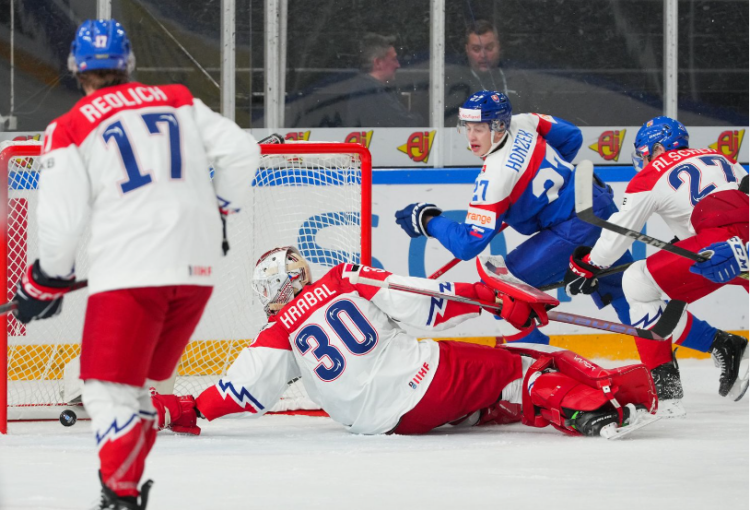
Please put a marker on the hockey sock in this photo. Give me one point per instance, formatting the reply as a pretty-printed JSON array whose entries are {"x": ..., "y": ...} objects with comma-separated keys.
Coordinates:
[
  {"x": 698, "y": 334},
  {"x": 654, "y": 353},
  {"x": 124, "y": 433}
]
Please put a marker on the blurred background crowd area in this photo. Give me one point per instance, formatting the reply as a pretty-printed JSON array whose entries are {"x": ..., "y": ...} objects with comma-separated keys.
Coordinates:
[{"x": 592, "y": 63}]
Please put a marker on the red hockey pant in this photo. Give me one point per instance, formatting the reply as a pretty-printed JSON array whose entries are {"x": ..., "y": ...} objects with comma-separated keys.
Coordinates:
[
  {"x": 469, "y": 377},
  {"x": 133, "y": 334}
]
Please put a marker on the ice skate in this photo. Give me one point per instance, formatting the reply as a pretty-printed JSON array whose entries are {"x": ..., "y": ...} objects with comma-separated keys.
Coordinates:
[
  {"x": 729, "y": 353},
  {"x": 669, "y": 389},
  {"x": 111, "y": 501}
]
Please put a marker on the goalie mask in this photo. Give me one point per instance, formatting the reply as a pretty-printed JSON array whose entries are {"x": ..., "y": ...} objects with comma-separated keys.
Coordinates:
[{"x": 279, "y": 275}]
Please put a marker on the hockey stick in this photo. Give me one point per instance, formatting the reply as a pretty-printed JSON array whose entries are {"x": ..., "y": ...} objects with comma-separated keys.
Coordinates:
[
  {"x": 606, "y": 272},
  {"x": 275, "y": 138},
  {"x": 585, "y": 211},
  {"x": 567, "y": 318},
  {"x": 11, "y": 305},
  {"x": 451, "y": 264},
  {"x": 493, "y": 272}
]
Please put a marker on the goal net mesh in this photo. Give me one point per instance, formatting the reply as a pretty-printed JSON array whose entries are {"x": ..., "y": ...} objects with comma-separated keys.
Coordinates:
[{"x": 306, "y": 199}]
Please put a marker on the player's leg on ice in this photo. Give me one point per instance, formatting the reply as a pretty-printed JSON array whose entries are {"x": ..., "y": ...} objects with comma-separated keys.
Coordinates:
[
  {"x": 644, "y": 284},
  {"x": 131, "y": 335}
]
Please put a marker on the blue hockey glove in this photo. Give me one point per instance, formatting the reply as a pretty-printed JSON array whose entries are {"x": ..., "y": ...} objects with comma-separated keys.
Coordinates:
[
  {"x": 412, "y": 218},
  {"x": 728, "y": 260}
]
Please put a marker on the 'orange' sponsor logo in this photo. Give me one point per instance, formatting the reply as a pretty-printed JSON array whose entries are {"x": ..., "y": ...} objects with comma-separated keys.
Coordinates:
[
  {"x": 729, "y": 143},
  {"x": 299, "y": 135},
  {"x": 360, "y": 137},
  {"x": 481, "y": 219},
  {"x": 609, "y": 144},
  {"x": 418, "y": 146}
]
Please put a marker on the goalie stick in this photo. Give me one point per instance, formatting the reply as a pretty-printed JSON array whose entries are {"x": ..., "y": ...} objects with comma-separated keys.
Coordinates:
[
  {"x": 11, "y": 305},
  {"x": 567, "y": 318},
  {"x": 585, "y": 211},
  {"x": 493, "y": 272},
  {"x": 451, "y": 264}
]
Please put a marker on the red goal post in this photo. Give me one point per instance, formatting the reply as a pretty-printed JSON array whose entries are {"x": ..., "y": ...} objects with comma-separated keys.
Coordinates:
[{"x": 317, "y": 196}]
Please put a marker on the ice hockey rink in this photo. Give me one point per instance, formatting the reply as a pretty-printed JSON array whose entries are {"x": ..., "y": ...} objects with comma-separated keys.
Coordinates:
[{"x": 299, "y": 462}]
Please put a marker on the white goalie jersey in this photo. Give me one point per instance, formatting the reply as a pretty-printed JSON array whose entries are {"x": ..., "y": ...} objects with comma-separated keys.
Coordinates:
[
  {"x": 134, "y": 160},
  {"x": 342, "y": 339}
]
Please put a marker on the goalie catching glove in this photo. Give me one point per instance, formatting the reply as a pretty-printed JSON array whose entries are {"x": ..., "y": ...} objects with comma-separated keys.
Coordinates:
[
  {"x": 519, "y": 314},
  {"x": 413, "y": 218},
  {"x": 38, "y": 296},
  {"x": 581, "y": 277}
]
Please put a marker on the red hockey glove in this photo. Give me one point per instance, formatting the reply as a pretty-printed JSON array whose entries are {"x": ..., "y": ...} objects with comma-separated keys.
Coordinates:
[
  {"x": 176, "y": 413},
  {"x": 518, "y": 313},
  {"x": 581, "y": 276},
  {"x": 38, "y": 296}
]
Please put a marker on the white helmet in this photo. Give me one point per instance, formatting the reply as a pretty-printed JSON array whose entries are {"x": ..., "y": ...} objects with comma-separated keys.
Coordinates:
[{"x": 279, "y": 275}]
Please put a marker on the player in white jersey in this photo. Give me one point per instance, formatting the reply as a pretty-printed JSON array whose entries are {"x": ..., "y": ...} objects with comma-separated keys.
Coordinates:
[
  {"x": 133, "y": 161},
  {"x": 340, "y": 335},
  {"x": 695, "y": 191}
]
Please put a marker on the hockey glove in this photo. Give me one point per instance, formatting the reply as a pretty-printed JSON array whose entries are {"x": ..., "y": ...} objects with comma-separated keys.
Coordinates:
[
  {"x": 727, "y": 261},
  {"x": 413, "y": 218},
  {"x": 38, "y": 296},
  {"x": 518, "y": 313},
  {"x": 581, "y": 276},
  {"x": 178, "y": 414}
]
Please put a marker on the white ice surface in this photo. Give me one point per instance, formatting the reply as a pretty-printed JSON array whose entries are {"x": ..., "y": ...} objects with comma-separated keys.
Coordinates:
[{"x": 296, "y": 463}]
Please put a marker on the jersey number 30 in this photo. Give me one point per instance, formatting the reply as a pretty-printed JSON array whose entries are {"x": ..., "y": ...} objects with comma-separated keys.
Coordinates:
[
  {"x": 135, "y": 178},
  {"x": 352, "y": 329}
]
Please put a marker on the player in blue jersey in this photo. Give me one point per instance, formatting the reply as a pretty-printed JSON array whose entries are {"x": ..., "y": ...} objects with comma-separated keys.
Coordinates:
[{"x": 526, "y": 182}]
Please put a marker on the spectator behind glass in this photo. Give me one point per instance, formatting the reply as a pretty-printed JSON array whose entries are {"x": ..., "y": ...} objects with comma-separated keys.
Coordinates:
[
  {"x": 483, "y": 52},
  {"x": 373, "y": 100}
]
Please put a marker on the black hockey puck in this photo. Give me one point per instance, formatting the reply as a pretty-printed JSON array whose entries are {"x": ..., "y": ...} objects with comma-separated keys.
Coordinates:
[{"x": 68, "y": 418}]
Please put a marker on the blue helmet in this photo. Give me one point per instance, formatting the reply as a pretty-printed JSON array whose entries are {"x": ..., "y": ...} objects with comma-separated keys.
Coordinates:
[
  {"x": 100, "y": 44},
  {"x": 487, "y": 106},
  {"x": 669, "y": 133}
]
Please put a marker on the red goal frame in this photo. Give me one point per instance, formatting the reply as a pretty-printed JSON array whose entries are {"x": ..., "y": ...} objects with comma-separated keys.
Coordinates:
[{"x": 32, "y": 150}]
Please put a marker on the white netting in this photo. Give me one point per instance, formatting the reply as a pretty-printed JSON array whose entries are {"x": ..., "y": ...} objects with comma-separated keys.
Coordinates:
[{"x": 312, "y": 201}]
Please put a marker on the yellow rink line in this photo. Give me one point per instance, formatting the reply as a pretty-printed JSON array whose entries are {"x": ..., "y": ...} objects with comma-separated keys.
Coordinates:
[{"x": 213, "y": 357}]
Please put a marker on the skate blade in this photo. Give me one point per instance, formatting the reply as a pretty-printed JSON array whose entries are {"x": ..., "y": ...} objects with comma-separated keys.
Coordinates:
[
  {"x": 739, "y": 388},
  {"x": 613, "y": 432},
  {"x": 671, "y": 408}
]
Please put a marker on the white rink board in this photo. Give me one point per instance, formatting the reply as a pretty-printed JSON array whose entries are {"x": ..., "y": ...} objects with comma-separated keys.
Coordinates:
[{"x": 725, "y": 309}]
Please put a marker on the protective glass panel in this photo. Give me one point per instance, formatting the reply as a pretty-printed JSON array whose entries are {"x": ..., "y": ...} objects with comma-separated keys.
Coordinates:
[
  {"x": 250, "y": 75},
  {"x": 592, "y": 63},
  {"x": 357, "y": 64},
  {"x": 36, "y": 86},
  {"x": 175, "y": 41},
  {"x": 713, "y": 63}
]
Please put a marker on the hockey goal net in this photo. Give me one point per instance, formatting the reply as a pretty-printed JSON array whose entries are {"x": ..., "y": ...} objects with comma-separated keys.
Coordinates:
[{"x": 316, "y": 196}]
